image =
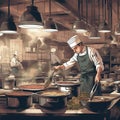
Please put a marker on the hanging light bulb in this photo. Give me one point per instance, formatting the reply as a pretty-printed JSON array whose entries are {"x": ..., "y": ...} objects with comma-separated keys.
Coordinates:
[
  {"x": 113, "y": 40},
  {"x": 79, "y": 25},
  {"x": 49, "y": 24},
  {"x": 94, "y": 34},
  {"x": 104, "y": 27},
  {"x": 8, "y": 26},
  {"x": 31, "y": 18},
  {"x": 1, "y": 33},
  {"x": 117, "y": 29}
]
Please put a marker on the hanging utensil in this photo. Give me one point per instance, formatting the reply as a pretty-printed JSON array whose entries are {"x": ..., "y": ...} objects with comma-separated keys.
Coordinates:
[
  {"x": 92, "y": 93},
  {"x": 49, "y": 80}
]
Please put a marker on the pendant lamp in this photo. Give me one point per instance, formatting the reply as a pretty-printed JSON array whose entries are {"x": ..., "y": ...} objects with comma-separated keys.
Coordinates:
[
  {"x": 79, "y": 25},
  {"x": 31, "y": 18},
  {"x": 113, "y": 40},
  {"x": 94, "y": 34},
  {"x": 8, "y": 26},
  {"x": 49, "y": 24},
  {"x": 117, "y": 27},
  {"x": 1, "y": 33},
  {"x": 104, "y": 27}
]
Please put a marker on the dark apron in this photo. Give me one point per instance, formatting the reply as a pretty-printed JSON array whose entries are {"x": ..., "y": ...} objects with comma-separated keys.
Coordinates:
[
  {"x": 88, "y": 73},
  {"x": 15, "y": 70}
]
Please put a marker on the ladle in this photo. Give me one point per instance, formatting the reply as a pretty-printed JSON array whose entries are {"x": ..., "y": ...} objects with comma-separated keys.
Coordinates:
[{"x": 49, "y": 80}]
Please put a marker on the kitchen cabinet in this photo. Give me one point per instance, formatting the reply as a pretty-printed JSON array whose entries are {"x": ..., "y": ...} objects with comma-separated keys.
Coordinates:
[
  {"x": 111, "y": 60},
  {"x": 115, "y": 62},
  {"x": 114, "y": 59},
  {"x": 105, "y": 54}
]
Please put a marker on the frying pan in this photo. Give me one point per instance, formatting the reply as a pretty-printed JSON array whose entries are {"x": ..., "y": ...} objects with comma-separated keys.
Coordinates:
[{"x": 101, "y": 103}]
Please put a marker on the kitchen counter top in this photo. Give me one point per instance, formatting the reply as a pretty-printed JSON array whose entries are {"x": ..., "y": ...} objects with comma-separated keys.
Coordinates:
[{"x": 36, "y": 112}]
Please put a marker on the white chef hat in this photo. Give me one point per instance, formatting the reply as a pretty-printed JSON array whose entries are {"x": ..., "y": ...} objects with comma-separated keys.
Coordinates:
[{"x": 73, "y": 41}]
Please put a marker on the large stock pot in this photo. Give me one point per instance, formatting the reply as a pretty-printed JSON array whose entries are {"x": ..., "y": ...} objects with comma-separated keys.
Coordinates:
[
  {"x": 19, "y": 99},
  {"x": 53, "y": 99}
]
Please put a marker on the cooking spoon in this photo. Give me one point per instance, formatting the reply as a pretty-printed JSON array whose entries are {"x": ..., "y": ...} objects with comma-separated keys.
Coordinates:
[{"x": 49, "y": 80}]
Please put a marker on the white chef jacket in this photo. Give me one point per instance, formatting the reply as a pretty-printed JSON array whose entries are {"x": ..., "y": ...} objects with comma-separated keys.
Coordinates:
[
  {"x": 14, "y": 62},
  {"x": 54, "y": 58},
  {"x": 93, "y": 54}
]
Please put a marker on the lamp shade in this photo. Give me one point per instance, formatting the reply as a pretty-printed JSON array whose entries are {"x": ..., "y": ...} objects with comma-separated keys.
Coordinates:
[
  {"x": 50, "y": 25},
  {"x": 1, "y": 33},
  {"x": 94, "y": 34},
  {"x": 79, "y": 26},
  {"x": 117, "y": 29},
  {"x": 104, "y": 27},
  {"x": 8, "y": 26},
  {"x": 31, "y": 18}
]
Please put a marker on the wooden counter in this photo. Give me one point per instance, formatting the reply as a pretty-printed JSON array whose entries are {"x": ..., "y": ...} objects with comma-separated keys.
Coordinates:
[{"x": 35, "y": 112}]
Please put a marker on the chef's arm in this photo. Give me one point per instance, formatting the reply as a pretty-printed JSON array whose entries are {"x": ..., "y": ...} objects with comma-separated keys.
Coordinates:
[
  {"x": 59, "y": 67},
  {"x": 98, "y": 74}
]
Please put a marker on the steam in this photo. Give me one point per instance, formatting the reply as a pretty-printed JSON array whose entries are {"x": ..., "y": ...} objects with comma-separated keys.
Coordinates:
[{"x": 37, "y": 37}]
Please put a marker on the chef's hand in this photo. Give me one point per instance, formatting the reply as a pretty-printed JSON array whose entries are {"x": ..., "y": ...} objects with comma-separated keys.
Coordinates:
[
  {"x": 98, "y": 75},
  {"x": 59, "y": 67},
  {"x": 97, "y": 78}
]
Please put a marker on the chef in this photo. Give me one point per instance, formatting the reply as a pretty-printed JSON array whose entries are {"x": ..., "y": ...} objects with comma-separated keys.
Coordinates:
[
  {"x": 90, "y": 63},
  {"x": 15, "y": 64},
  {"x": 54, "y": 58}
]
